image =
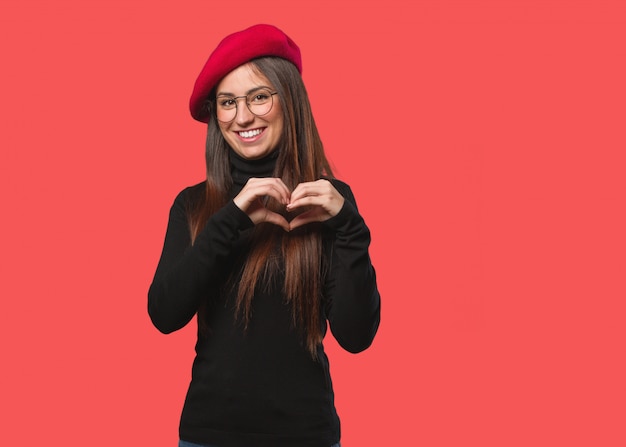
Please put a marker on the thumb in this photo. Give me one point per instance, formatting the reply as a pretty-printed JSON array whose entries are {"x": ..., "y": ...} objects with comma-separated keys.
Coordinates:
[
  {"x": 276, "y": 219},
  {"x": 302, "y": 219}
]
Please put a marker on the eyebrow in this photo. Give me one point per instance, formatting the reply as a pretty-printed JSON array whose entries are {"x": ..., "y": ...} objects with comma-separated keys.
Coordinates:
[{"x": 247, "y": 93}]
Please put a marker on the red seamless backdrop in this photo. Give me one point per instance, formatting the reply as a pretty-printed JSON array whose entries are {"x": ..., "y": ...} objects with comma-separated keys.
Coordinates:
[{"x": 484, "y": 141}]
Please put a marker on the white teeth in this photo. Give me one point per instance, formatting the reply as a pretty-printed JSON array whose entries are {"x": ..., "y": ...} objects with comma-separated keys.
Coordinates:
[{"x": 250, "y": 133}]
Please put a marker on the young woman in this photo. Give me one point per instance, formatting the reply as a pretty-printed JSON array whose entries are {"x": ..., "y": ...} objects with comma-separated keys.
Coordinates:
[{"x": 265, "y": 252}]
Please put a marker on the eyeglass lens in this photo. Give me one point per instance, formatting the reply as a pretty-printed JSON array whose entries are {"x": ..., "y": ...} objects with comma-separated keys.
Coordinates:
[{"x": 259, "y": 102}]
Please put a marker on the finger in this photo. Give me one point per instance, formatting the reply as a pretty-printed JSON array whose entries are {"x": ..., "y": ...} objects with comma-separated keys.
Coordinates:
[
  {"x": 284, "y": 189},
  {"x": 277, "y": 219},
  {"x": 331, "y": 203},
  {"x": 257, "y": 188},
  {"x": 276, "y": 192},
  {"x": 304, "y": 194},
  {"x": 318, "y": 188},
  {"x": 305, "y": 218},
  {"x": 270, "y": 186},
  {"x": 307, "y": 189},
  {"x": 258, "y": 214},
  {"x": 306, "y": 201},
  {"x": 282, "y": 193}
]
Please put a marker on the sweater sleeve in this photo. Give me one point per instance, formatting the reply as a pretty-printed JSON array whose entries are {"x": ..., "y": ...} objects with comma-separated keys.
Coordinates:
[
  {"x": 352, "y": 298},
  {"x": 186, "y": 274}
]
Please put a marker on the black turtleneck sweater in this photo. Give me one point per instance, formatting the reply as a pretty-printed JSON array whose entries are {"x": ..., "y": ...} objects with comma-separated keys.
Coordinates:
[{"x": 260, "y": 387}]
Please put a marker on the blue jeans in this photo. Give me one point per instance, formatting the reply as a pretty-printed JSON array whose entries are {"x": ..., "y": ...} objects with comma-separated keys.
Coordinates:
[{"x": 182, "y": 443}]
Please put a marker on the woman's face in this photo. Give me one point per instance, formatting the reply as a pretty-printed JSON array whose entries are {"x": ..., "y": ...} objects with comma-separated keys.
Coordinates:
[{"x": 249, "y": 135}]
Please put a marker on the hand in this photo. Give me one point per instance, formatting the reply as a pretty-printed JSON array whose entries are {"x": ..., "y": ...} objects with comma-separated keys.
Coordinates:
[
  {"x": 249, "y": 200},
  {"x": 321, "y": 195}
]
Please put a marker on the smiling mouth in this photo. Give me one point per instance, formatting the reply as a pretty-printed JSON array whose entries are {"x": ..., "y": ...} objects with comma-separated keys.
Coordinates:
[{"x": 250, "y": 133}]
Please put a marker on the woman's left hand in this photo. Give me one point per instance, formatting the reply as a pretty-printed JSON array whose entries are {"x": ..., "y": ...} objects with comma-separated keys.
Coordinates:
[{"x": 321, "y": 195}]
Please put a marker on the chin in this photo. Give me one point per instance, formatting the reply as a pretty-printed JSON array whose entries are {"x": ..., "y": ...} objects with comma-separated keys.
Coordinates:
[{"x": 253, "y": 154}]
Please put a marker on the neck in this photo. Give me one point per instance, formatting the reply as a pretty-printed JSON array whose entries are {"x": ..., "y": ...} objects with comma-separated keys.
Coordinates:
[{"x": 242, "y": 169}]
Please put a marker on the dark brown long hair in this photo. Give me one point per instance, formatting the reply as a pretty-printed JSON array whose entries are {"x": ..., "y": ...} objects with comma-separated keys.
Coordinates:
[{"x": 300, "y": 159}]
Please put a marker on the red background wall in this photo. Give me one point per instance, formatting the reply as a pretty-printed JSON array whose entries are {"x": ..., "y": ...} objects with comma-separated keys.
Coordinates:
[{"x": 484, "y": 141}]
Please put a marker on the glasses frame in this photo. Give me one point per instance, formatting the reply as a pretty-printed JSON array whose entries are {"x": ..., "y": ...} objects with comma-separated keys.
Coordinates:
[{"x": 237, "y": 98}]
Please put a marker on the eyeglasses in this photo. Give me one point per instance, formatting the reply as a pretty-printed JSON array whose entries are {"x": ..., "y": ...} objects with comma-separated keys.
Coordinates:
[{"x": 259, "y": 102}]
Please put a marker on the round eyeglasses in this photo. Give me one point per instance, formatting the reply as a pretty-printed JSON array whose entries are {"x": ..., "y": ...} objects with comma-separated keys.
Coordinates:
[{"x": 259, "y": 102}]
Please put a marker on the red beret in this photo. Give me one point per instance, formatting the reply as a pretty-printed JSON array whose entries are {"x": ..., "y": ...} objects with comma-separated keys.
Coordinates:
[{"x": 235, "y": 50}]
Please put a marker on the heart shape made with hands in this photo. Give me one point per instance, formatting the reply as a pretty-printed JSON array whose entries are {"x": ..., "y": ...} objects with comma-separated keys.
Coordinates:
[{"x": 320, "y": 197}]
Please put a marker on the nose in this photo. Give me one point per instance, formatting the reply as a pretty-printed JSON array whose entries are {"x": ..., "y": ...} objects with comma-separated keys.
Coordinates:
[{"x": 244, "y": 115}]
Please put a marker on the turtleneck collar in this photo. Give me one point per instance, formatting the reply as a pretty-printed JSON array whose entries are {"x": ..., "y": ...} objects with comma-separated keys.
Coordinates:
[{"x": 243, "y": 169}]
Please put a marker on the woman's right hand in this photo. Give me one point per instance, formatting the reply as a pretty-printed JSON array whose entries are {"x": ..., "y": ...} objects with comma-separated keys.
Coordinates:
[{"x": 249, "y": 200}]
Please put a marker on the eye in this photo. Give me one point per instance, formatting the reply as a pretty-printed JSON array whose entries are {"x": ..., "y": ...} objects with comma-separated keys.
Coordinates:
[
  {"x": 226, "y": 103},
  {"x": 259, "y": 97}
]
